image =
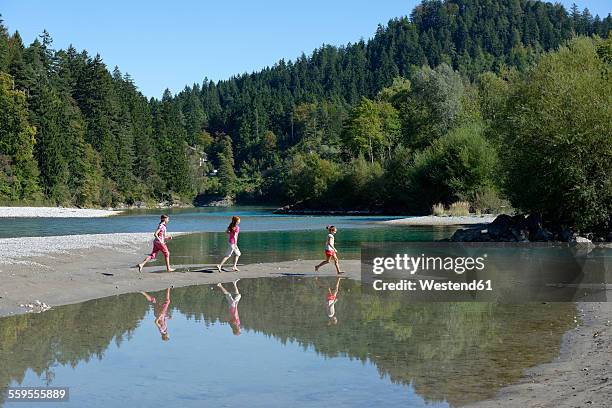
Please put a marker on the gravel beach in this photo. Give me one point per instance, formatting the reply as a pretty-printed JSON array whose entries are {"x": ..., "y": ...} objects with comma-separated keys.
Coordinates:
[
  {"x": 435, "y": 220},
  {"x": 54, "y": 212},
  {"x": 22, "y": 250}
]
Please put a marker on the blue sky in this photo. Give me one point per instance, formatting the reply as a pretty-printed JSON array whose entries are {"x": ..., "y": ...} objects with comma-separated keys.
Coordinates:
[{"x": 171, "y": 44}]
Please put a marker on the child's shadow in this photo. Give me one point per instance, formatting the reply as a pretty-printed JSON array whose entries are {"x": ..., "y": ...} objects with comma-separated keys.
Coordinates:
[{"x": 209, "y": 270}]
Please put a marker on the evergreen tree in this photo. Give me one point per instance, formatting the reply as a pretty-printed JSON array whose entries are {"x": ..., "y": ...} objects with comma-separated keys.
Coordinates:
[
  {"x": 18, "y": 172},
  {"x": 227, "y": 176},
  {"x": 174, "y": 167}
]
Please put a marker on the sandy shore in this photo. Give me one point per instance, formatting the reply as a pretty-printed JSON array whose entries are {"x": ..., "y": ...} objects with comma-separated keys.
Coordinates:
[
  {"x": 54, "y": 212},
  {"x": 579, "y": 377},
  {"x": 64, "y": 270},
  {"x": 435, "y": 220},
  {"x": 71, "y": 269}
]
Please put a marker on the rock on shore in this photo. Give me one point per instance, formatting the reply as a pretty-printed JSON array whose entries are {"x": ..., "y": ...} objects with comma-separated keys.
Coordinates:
[{"x": 518, "y": 228}]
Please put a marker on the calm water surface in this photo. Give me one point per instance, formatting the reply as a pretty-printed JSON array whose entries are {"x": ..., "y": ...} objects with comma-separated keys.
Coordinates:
[
  {"x": 264, "y": 236},
  {"x": 207, "y": 219},
  {"x": 379, "y": 350},
  {"x": 269, "y": 246}
]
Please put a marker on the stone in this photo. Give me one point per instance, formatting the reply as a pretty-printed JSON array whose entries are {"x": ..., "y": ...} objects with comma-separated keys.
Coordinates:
[
  {"x": 565, "y": 235},
  {"x": 470, "y": 235},
  {"x": 534, "y": 224},
  {"x": 542, "y": 235},
  {"x": 519, "y": 222},
  {"x": 520, "y": 235}
]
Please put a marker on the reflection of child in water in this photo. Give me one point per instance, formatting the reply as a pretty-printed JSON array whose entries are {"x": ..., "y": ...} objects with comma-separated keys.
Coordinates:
[
  {"x": 233, "y": 306},
  {"x": 331, "y": 298},
  {"x": 161, "y": 313}
]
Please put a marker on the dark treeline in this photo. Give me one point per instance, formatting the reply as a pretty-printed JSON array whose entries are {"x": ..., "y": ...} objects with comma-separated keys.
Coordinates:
[{"x": 412, "y": 117}]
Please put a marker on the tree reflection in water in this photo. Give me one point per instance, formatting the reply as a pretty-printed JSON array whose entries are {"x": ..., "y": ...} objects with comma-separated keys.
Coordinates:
[{"x": 454, "y": 352}]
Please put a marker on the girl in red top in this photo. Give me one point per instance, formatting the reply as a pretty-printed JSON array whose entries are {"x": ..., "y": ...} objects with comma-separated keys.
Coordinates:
[
  {"x": 331, "y": 253},
  {"x": 159, "y": 244},
  {"x": 233, "y": 230},
  {"x": 331, "y": 298}
]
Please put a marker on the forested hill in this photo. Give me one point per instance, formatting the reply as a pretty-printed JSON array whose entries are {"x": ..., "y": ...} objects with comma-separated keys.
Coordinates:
[
  {"x": 473, "y": 36},
  {"x": 71, "y": 132}
]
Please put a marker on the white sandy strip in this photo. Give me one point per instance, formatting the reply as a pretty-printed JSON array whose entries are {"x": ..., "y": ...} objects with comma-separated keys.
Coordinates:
[
  {"x": 14, "y": 250},
  {"x": 450, "y": 220},
  {"x": 54, "y": 212}
]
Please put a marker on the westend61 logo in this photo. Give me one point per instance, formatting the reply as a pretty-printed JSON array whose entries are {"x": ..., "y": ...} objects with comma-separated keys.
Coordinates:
[
  {"x": 487, "y": 272},
  {"x": 412, "y": 264}
]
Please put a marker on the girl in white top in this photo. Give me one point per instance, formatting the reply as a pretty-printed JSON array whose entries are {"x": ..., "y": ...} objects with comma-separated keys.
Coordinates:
[
  {"x": 330, "y": 250},
  {"x": 331, "y": 298}
]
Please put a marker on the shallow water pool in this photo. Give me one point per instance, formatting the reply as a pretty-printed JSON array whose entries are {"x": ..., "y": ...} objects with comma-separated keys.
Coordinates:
[{"x": 278, "y": 347}]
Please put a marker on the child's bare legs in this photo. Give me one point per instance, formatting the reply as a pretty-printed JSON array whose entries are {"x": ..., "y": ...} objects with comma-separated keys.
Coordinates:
[
  {"x": 225, "y": 292},
  {"x": 168, "y": 268},
  {"x": 337, "y": 285},
  {"x": 235, "y": 267},
  {"x": 325, "y": 262},
  {"x": 222, "y": 262},
  {"x": 149, "y": 298},
  {"x": 143, "y": 263},
  {"x": 236, "y": 286},
  {"x": 337, "y": 264}
]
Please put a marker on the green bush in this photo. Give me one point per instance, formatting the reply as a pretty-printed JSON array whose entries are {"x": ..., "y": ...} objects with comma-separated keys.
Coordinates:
[
  {"x": 557, "y": 132},
  {"x": 487, "y": 201},
  {"x": 361, "y": 186},
  {"x": 454, "y": 166},
  {"x": 308, "y": 176}
]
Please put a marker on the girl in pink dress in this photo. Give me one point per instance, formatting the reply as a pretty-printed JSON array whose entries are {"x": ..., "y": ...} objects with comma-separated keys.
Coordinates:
[
  {"x": 159, "y": 245},
  {"x": 161, "y": 313},
  {"x": 233, "y": 230},
  {"x": 233, "y": 306}
]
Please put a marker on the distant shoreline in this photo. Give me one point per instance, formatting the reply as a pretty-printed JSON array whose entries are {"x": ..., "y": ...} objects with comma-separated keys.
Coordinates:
[
  {"x": 288, "y": 211},
  {"x": 429, "y": 220},
  {"x": 55, "y": 212}
]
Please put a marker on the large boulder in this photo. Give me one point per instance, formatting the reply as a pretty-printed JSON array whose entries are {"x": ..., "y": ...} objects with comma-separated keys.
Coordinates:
[
  {"x": 471, "y": 235},
  {"x": 534, "y": 223},
  {"x": 499, "y": 229},
  {"x": 519, "y": 228},
  {"x": 520, "y": 235},
  {"x": 541, "y": 235},
  {"x": 565, "y": 235}
]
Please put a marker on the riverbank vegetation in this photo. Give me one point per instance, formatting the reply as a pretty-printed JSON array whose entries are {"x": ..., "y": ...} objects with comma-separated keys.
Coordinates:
[{"x": 477, "y": 101}]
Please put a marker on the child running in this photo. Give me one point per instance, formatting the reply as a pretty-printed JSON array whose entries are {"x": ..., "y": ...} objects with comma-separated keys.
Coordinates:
[
  {"x": 159, "y": 244},
  {"x": 161, "y": 313},
  {"x": 331, "y": 298},
  {"x": 233, "y": 306},
  {"x": 330, "y": 250},
  {"x": 233, "y": 230}
]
